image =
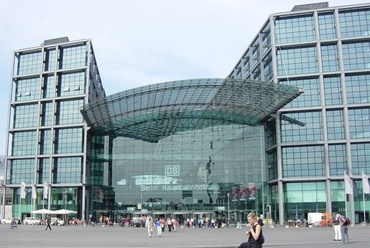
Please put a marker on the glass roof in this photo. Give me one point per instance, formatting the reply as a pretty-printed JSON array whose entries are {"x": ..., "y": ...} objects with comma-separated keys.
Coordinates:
[{"x": 155, "y": 111}]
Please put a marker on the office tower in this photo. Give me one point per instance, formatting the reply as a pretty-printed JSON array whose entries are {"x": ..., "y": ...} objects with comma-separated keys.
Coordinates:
[
  {"x": 325, "y": 132},
  {"x": 47, "y": 136}
]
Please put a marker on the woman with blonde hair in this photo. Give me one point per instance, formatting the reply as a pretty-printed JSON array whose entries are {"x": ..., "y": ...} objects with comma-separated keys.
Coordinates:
[{"x": 256, "y": 238}]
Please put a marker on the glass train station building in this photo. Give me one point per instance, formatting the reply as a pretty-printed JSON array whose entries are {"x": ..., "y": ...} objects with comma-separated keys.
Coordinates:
[{"x": 275, "y": 136}]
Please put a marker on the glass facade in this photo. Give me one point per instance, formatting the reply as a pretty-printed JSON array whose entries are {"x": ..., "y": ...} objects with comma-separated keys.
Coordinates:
[
  {"x": 325, "y": 131},
  {"x": 191, "y": 147},
  {"x": 203, "y": 147},
  {"x": 195, "y": 172},
  {"x": 47, "y": 134}
]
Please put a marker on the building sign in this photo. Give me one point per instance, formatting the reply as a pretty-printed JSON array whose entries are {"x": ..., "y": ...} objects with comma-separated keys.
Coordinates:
[{"x": 172, "y": 170}]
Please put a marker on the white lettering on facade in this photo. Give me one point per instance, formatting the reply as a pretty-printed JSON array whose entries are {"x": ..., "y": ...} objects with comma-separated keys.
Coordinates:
[{"x": 179, "y": 187}]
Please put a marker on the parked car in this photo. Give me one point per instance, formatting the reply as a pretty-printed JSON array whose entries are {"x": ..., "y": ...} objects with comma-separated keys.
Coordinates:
[
  {"x": 9, "y": 220},
  {"x": 138, "y": 222},
  {"x": 57, "y": 222},
  {"x": 31, "y": 221}
]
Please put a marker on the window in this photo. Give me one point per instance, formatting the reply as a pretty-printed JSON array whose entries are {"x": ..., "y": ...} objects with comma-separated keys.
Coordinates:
[
  {"x": 72, "y": 57},
  {"x": 332, "y": 88},
  {"x": 25, "y": 116},
  {"x": 326, "y": 26},
  {"x": 329, "y": 56},
  {"x": 71, "y": 84},
  {"x": 294, "y": 29},
  {"x": 27, "y": 89},
  {"x": 69, "y": 112},
  {"x": 356, "y": 56},
  {"x": 358, "y": 89},
  {"x": 311, "y": 96},
  {"x": 24, "y": 143},
  {"x": 68, "y": 140},
  {"x": 292, "y": 132},
  {"x": 354, "y": 23},
  {"x": 29, "y": 63},
  {"x": 295, "y": 61},
  {"x": 335, "y": 124},
  {"x": 337, "y": 159},
  {"x": 303, "y": 161},
  {"x": 359, "y": 123}
]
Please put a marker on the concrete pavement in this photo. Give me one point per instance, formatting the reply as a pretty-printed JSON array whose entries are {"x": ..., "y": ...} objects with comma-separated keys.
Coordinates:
[{"x": 99, "y": 236}]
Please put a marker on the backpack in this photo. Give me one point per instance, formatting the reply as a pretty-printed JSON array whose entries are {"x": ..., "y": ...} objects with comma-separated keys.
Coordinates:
[{"x": 346, "y": 221}]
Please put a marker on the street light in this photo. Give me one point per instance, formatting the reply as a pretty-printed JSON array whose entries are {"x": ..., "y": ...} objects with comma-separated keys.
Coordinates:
[
  {"x": 65, "y": 207},
  {"x": 228, "y": 207}
]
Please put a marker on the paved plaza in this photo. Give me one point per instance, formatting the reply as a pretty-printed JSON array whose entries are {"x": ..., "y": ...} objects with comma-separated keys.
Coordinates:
[{"x": 99, "y": 236}]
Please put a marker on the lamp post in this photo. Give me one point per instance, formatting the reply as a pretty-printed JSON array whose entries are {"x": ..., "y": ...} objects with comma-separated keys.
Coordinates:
[
  {"x": 65, "y": 207},
  {"x": 228, "y": 208}
]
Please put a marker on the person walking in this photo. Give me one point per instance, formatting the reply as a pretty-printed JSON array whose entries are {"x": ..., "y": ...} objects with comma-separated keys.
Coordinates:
[
  {"x": 158, "y": 224},
  {"x": 175, "y": 224},
  {"x": 336, "y": 225},
  {"x": 169, "y": 224},
  {"x": 48, "y": 222},
  {"x": 343, "y": 229},
  {"x": 149, "y": 225}
]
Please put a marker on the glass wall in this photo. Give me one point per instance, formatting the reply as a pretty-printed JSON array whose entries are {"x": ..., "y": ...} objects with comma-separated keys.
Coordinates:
[{"x": 205, "y": 170}]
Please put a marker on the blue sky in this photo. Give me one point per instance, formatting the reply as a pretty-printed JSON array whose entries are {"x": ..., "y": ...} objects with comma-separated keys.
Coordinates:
[{"x": 139, "y": 42}]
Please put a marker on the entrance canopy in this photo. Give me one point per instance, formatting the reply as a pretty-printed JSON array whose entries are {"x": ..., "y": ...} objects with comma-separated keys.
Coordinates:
[{"x": 156, "y": 111}]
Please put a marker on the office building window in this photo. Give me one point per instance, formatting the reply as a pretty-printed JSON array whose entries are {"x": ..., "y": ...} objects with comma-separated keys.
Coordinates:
[
  {"x": 29, "y": 63},
  {"x": 50, "y": 60},
  {"x": 333, "y": 92},
  {"x": 308, "y": 192},
  {"x": 359, "y": 123},
  {"x": 360, "y": 156},
  {"x": 27, "y": 89},
  {"x": 354, "y": 23},
  {"x": 257, "y": 74},
  {"x": 294, "y": 29},
  {"x": 329, "y": 56},
  {"x": 69, "y": 112},
  {"x": 43, "y": 170},
  {"x": 71, "y": 84},
  {"x": 247, "y": 68},
  {"x": 311, "y": 96},
  {"x": 68, "y": 140},
  {"x": 24, "y": 143},
  {"x": 303, "y": 161},
  {"x": 336, "y": 190},
  {"x": 327, "y": 26},
  {"x": 25, "y": 116},
  {"x": 335, "y": 124},
  {"x": 266, "y": 40},
  {"x": 272, "y": 165},
  {"x": 267, "y": 68},
  {"x": 46, "y": 114},
  {"x": 356, "y": 56},
  {"x": 48, "y": 87},
  {"x": 296, "y": 61},
  {"x": 45, "y": 141},
  {"x": 337, "y": 159},
  {"x": 22, "y": 170},
  {"x": 301, "y": 127},
  {"x": 67, "y": 170},
  {"x": 358, "y": 89},
  {"x": 72, "y": 57}
]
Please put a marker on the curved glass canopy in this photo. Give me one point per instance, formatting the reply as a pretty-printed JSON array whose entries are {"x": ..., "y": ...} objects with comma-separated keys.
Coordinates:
[{"x": 155, "y": 111}]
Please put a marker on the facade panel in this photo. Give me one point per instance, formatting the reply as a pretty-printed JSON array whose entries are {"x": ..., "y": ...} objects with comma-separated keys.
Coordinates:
[{"x": 325, "y": 51}]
